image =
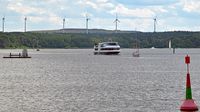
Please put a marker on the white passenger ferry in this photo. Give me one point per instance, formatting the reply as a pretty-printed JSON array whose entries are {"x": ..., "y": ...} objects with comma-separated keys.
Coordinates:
[{"x": 107, "y": 48}]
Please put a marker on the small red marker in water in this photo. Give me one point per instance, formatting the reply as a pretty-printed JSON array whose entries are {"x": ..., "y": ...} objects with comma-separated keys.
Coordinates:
[
  {"x": 187, "y": 59},
  {"x": 188, "y": 104}
]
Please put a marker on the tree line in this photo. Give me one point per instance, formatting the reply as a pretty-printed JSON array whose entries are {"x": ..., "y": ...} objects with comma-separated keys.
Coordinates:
[{"x": 80, "y": 40}]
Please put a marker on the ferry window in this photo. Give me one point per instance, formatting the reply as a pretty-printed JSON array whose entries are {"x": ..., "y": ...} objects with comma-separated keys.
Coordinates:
[
  {"x": 102, "y": 45},
  {"x": 112, "y": 43}
]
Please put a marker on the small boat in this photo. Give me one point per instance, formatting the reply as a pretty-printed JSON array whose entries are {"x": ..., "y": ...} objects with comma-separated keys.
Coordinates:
[{"x": 107, "y": 48}]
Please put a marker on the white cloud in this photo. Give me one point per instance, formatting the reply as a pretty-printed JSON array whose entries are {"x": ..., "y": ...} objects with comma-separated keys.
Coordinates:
[
  {"x": 36, "y": 19},
  {"x": 97, "y": 5},
  {"x": 41, "y": 14},
  {"x": 135, "y": 24},
  {"x": 92, "y": 4},
  {"x": 102, "y": 1},
  {"x": 132, "y": 13},
  {"x": 20, "y": 8},
  {"x": 54, "y": 19},
  {"x": 137, "y": 12},
  {"x": 148, "y": 2},
  {"x": 86, "y": 14},
  {"x": 191, "y": 5},
  {"x": 159, "y": 9}
]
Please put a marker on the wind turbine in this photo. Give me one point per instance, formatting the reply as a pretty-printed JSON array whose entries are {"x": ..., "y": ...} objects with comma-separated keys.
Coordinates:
[
  {"x": 116, "y": 23},
  {"x": 3, "y": 22},
  {"x": 155, "y": 22},
  {"x": 25, "y": 19},
  {"x": 63, "y": 28},
  {"x": 87, "y": 21}
]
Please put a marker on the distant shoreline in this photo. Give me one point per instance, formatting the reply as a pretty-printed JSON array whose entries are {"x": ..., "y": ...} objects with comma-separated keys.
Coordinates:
[{"x": 179, "y": 39}]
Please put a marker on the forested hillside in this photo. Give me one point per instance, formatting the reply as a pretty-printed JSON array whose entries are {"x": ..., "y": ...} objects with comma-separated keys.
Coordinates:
[{"x": 75, "y": 40}]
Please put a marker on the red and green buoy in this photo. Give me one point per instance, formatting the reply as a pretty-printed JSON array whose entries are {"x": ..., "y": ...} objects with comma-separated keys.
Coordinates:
[{"x": 188, "y": 104}]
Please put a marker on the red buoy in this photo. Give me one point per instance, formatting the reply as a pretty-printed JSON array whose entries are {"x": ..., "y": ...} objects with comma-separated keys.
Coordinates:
[
  {"x": 188, "y": 104},
  {"x": 187, "y": 59}
]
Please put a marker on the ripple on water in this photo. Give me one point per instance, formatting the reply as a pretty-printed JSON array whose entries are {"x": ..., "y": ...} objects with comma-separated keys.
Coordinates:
[{"x": 70, "y": 80}]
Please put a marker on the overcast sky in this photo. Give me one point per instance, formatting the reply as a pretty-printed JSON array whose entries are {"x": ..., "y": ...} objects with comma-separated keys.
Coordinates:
[{"x": 172, "y": 15}]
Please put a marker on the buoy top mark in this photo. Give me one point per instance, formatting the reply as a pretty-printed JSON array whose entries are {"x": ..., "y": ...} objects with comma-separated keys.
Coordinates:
[{"x": 187, "y": 59}]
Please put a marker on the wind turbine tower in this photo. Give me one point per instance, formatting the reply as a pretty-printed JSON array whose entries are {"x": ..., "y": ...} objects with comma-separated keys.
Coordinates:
[
  {"x": 63, "y": 23},
  {"x": 63, "y": 28},
  {"x": 3, "y": 22},
  {"x": 25, "y": 19},
  {"x": 155, "y": 22},
  {"x": 87, "y": 21},
  {"x": 116, "y": 23}
]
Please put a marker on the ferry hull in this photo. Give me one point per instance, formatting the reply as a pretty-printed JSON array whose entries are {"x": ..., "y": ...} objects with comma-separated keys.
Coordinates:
[{"x": 108, "y": 53}]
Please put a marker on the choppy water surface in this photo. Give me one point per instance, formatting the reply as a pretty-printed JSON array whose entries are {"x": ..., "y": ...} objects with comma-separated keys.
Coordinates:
[{"x": 66, "y": 80}]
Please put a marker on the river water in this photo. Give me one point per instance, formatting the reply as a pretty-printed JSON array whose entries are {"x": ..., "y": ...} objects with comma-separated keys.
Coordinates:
[{"x": 75, "y": 80}]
